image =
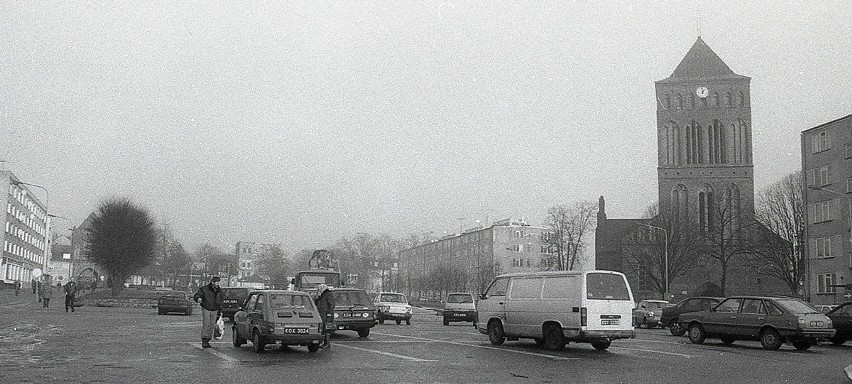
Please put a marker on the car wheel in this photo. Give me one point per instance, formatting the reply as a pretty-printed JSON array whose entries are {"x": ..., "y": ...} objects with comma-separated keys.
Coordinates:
[
  {"x": 398, "y": 322},
  {"x": 770, "y": 339},
  {"x": 539, "y": 341},
  {"x": 313, "y": 348},
  {"x": 554, "y": 339},
  {"x": 696, "y": 334},
  {"x": 645, "y": 322},
  {"x": 601, "y": 345},
  {"x": 727, "y": 340},
  {"x": 159, "y": 312},
  {"x": 364, "y": 332},
  {"x": 837, "y": 340},
  {"x": 259, "y": 345},
  {"x": 407, "y": 321},
  {"x": 446, "y": 322},
  {"x": 802, "y": 344},
  {"x": 495, "y": 333},
  {"x": 188, "y": 312},
  {"x": 675, "y": 329},
  {"x": 235, "y": 337}
]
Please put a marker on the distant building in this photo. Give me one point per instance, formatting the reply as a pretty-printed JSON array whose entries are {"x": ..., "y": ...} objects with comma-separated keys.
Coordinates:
[
  {"x": 25, "y": 236},
  {"x": 478, "y": 253},
  {"x": 248, "y": 254},
  {"x": 84, "y": 270},
  {"x": 827, "y": 170}
]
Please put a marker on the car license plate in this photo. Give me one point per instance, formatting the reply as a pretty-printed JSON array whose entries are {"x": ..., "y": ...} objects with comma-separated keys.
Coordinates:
[
  {"x": 816, "y": 324},
  {"x": 609, "y": 322},
  {"x": 458, "y": 314},
  {"x": 295, "y": 330}
]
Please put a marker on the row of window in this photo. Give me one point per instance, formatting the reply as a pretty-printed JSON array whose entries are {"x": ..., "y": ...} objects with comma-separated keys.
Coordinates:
[
  {"x": 715, "y": 101},
  {"x": 18, "y": 273},
  {"x": 521, "y": 263},
  {"x": 21, "y": 196},
  {"x": 826, "y": 247},
  {"x": 23, "y": 252},
  {"x": 707, "y": 206},
  {"x": 27, "y": 219},
  {"x": 826, "y": 282},
  {"x": 713, "y": 144},
  {"x": 821, "y": 141},
  {"x": 24, "y": 235}
]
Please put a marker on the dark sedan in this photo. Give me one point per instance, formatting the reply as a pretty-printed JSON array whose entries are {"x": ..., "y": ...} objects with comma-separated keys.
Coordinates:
[
  {"x": 671, "y": 315},
  {"x": 772, "y": 320},
  {"x": 353, "y": 310},
  {"x": 174, "y": 301},
  {"x": 841, "y": 317}
]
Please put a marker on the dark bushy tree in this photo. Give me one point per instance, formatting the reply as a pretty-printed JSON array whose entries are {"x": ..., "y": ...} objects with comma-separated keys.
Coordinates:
[{"x": 122, "y": 239}]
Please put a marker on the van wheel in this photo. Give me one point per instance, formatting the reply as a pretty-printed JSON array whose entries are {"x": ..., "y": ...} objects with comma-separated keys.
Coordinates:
[
  {"x": 601, "y": 345},
  {"x": 696, "y": 334},
  {"x": 770, "y": 339},
  {"x": 554, "y": 340},
  {"x": 407, "y": 321},
  {"x": 313, "y": 348},
  {"x": 837, "y": 340},
  {"x": 495, "y": 333},
  {"x": 539, "y": 341}
]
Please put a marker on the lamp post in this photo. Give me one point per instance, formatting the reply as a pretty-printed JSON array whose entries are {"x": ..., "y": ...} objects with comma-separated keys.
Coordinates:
[
  {"x": 666, "y": 274},
  {"x": 45, "y": 255},
  {"x": 849, "y": 202}
]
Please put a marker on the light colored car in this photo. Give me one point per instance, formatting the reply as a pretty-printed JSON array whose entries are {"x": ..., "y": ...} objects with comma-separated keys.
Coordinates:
[
  {"x": 392, "y": 306},
  {"x": 276, "y": 316},
  {"x": 772, "y": 320},
  {"x": 459, "y": 306},
  {"x": 649, "y": 312}
]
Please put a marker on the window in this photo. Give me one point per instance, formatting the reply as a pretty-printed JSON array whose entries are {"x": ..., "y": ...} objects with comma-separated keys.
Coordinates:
[
  {"x": 753, "y": 306},
  {"x": 560, "y": 287},
  {"x": 849, "y": 150},
  {"x": 498, "y": 287},
  {"x": 821, "y": 211},
  {"x": 823, "y": 248},
  {"x": 825, "y": 283},
  {"x": 728, "y": 99},
  {"x": 824, "y": 173},
  {"x": 729, "y": 305},
  {"x": 820, "y": 142}
]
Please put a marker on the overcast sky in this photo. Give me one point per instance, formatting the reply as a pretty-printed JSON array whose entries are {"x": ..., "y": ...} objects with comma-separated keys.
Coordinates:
[{"x": 303, "y": 122}]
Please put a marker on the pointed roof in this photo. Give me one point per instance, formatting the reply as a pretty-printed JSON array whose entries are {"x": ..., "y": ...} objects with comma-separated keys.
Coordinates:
[{"x": 702, "y": 63}]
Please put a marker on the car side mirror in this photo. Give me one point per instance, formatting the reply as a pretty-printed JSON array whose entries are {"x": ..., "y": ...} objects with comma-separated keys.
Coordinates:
[{"x": 482, "y": 296}]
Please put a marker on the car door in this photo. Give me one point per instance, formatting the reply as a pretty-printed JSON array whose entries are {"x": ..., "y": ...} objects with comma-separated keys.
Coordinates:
[
  {"x": 256, "y": 313},
  {"x": 721, "y": 319},
  {"x": 751, "y": 317},
  {"x": 241, "y": 318}
]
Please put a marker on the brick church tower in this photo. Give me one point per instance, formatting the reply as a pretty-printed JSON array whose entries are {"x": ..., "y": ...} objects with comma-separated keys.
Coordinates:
[{"x": 704, "y": 139}]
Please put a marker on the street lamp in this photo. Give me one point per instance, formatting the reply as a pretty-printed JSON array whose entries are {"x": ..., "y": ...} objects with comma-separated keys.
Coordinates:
[{"x": 666, "y": 274}]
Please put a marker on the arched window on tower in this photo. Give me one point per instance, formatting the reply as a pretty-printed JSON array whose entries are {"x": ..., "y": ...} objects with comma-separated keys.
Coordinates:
[
  {"x": 716, "y": 99},
  {"x": 693, "y": 143},
  {"x": 706, "y": 209},
  {"x": 731, "y": 219},
  {"x": 741, "y": 99},
  {"x": 679, "y": 101},
  {"x": 672, "y": 143},
  {"x": 691, "y": 101},
  {"x": 716, "y": 143},
  {"x": 679, "y": 203},
  {"x": 728, "y": 102},
  {"x": 668, "y": 102}
]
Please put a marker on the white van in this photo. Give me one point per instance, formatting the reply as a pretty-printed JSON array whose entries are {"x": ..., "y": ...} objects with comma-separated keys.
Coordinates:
[{"x": 556, "y": 307}]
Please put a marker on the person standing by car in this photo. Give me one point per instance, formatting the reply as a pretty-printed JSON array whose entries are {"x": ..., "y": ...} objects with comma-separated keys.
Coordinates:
[
  {"x": 17, "y": 288},
  {"x": 70, "y": 294},
  {"x": 46, "y": 294},
  {"x": 210, "y": 298},
  {"x": 325, "y": 307}
]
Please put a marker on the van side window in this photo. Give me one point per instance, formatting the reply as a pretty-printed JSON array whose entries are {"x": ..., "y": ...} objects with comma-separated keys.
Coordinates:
[
  {"x": 606, "y": 286},
  {"x": 526, "y": 288},
  {"x": 498, "y": 287},
  {"x": 560, "y": 287}
]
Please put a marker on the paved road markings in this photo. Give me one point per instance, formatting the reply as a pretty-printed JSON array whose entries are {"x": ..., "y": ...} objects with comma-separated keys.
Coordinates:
[
  {"x": 409, "y": 358},
  {"x": 482, "y": 347},
  {"x": 230, "y": 362},
  {"x": 653, "y": 351}
]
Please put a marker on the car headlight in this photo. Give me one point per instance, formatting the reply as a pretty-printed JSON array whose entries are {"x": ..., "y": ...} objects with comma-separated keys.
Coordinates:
[
  {"x": 365, "y": 314},
  {"x": 651, "y": 313}
]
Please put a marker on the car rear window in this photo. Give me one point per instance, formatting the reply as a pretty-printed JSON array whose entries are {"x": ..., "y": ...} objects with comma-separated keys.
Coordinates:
[
  {"x": 606, "y": 286},
  {"x": 460, "y": 298},
  {"x": 179, "y": 295},
  {"x": 235, "y": 293},
  {"x": 797, "y": 306},
  {"x": 278, "y": 301},
  {"x": 393, "y": 298},
  {"x": 350, "y": 298}
]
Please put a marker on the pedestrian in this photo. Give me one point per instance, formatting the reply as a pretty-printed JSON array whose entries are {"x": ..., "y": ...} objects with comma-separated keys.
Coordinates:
[
  {"x": 34, "y": 286},
  {"x": 70, "y": 293},
  {"x": 325, "y": 307},
  {"x": 210, "y": 298},
  {"x": 46, "y": 294},
  {"x": 17, "y": 288},
  {"x": 38, "y": 290}
]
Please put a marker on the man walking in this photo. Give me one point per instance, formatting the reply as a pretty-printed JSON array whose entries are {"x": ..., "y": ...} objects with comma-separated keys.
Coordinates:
[
  {"x": 46, "y": 294},
  {"x": 17, "y": 288},
  {"x": 210, "y": 297},
  {"x": 70, "y": 293}
]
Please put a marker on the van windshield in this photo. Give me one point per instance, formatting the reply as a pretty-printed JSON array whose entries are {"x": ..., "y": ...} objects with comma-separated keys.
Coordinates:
[{"x": 606, "y": 286}]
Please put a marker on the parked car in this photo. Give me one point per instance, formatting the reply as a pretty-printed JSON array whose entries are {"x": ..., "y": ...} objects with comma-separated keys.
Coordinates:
[
  {"x": 276, "y": 316},
  {"x": 234, "y": 297},
  {"x": 174, "y": 301},
  {"x": 671, "y": 315},
  {"x": 648, "y": 312},
  {"x": 841, "y": 317},
  {"x": 353, "y": 310},
  {"x": 772, "y": 320},
  {"x": 392, "y": 306},
  {"x": 459, "y": 306}
]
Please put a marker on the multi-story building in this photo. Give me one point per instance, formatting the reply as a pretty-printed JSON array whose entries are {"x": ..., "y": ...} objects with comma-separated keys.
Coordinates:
[
  {"x": 247, "y": 255},
  {"x": 25, "y": 235},
  {"x": 827, "y": 170},
  {"x": 477, "y": 254},
  {"x": 84, "y": 271}
]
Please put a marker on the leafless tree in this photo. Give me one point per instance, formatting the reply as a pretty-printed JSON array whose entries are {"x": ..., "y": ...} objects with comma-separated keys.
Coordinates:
[
  {"x": 726, "y": 231},
  {"x": 781, "y": 209},
  {"x": 568, "y": 227}
]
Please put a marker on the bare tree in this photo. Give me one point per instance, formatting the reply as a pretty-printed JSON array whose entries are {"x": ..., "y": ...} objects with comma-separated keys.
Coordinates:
[
  {"x": 568, "y": 226},
  {"x": 122, "y": 239},
  {"x": 726, "y": 231},
  {"x": 781, "y": 209}
]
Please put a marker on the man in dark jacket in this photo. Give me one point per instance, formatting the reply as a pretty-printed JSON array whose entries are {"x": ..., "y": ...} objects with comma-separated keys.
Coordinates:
[
  {"x": 210, "y": 297},
  {"x": 325, "y": 307},
  {"x": 70, "y": 294}
]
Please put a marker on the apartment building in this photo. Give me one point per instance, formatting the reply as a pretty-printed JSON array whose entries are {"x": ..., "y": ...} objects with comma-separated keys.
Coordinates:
[
  {"x": 25, "y": 235},
  {"x": 827, "y": 169}
]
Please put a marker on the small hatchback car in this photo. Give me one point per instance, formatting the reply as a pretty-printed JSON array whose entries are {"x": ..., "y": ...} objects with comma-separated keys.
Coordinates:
[
  {"x": 174, "y": 301},
  {"x": 648, "y": 313},
  {"x": 392, "y": 306},
  {"x": 353, "y": 310},
  {"x": 286, "y": 317},
  {"x": 772, "y": 320},
  {"x": 459, "y": 306}
]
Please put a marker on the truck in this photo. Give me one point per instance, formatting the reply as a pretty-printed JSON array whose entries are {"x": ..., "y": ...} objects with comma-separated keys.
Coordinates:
[{"x": 320, "y": 271}]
